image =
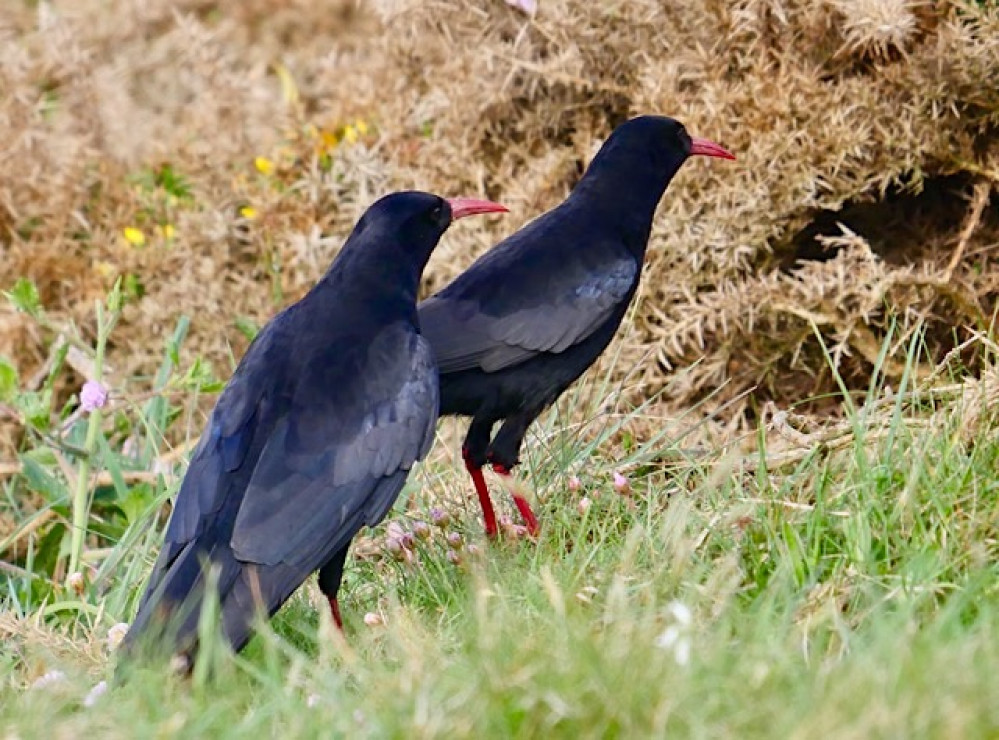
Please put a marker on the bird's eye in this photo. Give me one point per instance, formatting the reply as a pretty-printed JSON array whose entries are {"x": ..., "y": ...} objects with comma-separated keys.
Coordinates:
[{"x": 436, "y": 213}]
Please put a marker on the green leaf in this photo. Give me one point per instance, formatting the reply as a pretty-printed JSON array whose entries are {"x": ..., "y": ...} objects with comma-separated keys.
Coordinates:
[
  {"x": 247, "y": 327},
  {"x": 200, "y": 377},
  {"x": 173, "y": 183},
  {"x": 36, "y": 407},
  {"x": 136, "y": 502},
  {"x": 173, "y": 349},
  {"x": 132, "y": 287},
  {"x": 41, "y": 481},
  {"x": 8, "y": 380},
  {"x": 115, "y": 297},
  {"x": 24, "y": 297}
]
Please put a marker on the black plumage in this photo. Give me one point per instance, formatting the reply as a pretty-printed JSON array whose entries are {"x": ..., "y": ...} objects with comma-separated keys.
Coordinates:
[
  {"x": 313, "y": 436},
  {"x": 531, "y": 315}
]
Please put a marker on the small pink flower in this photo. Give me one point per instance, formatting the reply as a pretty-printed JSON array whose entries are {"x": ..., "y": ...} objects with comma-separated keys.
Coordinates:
[
  {"x": 93, "y": 396},
  {"x": 574, "y": 483},
  {"x": 526, "y": 6},
  {"x": 393, "y": 545},
  {"x": 621, "y": 484},
  {"x": 439, "y": 517},
  {"x": 583, "y": 505}
]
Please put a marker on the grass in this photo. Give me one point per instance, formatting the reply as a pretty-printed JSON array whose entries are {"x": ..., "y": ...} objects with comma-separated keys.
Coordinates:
[{"x": 847, "y": 590}]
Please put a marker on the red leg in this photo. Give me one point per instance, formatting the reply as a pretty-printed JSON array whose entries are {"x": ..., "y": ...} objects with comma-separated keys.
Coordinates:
[
  {"x": 335, "y": 609},
  {"x": 480, "y": 488},
  {"x": 530, "y": 521}
]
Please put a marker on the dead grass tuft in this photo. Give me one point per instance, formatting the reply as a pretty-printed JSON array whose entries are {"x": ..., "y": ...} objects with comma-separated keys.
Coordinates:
[{"x": 843, "y": 103}]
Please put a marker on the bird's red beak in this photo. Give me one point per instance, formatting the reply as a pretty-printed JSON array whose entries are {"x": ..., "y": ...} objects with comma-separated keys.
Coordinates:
[
  {"x": 461, "y": 207},
  {"x": 707, "y": 148}
]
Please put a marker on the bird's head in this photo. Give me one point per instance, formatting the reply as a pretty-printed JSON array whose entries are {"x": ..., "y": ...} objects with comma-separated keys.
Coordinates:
[
  {"x": 633, "y": 168},
  {"x": 415, "y": 221},
  {"x": 655, "y": 143}
]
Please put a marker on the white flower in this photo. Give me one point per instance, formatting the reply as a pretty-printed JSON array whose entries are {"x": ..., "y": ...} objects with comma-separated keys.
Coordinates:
[
  {"x": 676, "y": 637},
  {"x": 95, "y": 693},
  {"x": 681, "y": 613},
  {"x": 48, "y": 679}
]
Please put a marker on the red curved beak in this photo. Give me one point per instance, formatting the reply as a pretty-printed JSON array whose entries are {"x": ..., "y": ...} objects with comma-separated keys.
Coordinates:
[
  {"x": 461, "y": 207},
  {"x": 707, "y": 148}
]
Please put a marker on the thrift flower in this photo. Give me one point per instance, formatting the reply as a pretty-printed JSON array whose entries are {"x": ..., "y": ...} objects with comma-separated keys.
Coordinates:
[
  {"x": 116, "y": 634},
  {"x": 75, "y": 583},
  {"x": 93, "y": 396},
  {"x": 621, "y": 484},
  {"x": 439, "y": 517},
  {"x": 393, "y": 545},
  {"x": 134, "y": 236},
  {"x": 574, "y": 483},
  {"x": 421, "y": 530},
  {"x": 583, "y": 506}
]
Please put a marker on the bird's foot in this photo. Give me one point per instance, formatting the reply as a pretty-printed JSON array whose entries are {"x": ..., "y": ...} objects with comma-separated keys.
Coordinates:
[
  {"x": 335, "y": 611},
  {"x": 519, "y": 492},
  {"x": 482, "y": 491}
]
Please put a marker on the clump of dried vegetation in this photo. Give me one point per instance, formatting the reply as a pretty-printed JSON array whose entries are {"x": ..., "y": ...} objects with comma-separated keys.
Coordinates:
[{"x": 242, "y": 139}]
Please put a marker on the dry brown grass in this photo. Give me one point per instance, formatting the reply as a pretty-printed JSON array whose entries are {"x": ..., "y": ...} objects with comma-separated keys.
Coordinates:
[{"x": 827, "y": 104}]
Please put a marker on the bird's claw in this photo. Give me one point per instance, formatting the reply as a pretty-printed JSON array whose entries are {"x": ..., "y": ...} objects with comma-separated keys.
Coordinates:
[{"x": 520, "y": 493}]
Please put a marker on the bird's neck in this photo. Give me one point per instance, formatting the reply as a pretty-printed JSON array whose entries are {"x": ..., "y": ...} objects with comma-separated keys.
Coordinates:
[
  {"x": 625, "y": 197},
  {"x": 379, "y": 281}
]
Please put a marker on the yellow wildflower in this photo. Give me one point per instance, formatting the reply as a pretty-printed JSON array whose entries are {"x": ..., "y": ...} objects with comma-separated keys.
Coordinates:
[
  {"x": 361, "y": 126},
  {"x": 168, "y": 232},
  {"x": 350, "y": 134},
  {"x": 104, "y": 269},
  {"x": 134, "y": 236},
  {"x": 248, "y": 212},
  {"x": 264, "y": 166},
  {"x": 289, "y": 90},
  {"x": 328, "y": 141}
]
